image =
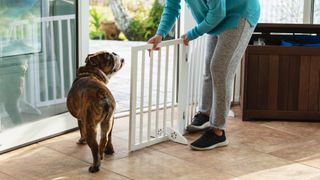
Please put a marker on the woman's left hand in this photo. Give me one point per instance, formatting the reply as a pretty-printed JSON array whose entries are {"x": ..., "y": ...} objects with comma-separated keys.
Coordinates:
[{"x": 185, "y": 39}]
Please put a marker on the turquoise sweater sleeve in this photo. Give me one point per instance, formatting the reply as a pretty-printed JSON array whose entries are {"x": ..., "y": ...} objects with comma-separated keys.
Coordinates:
[
  {"x": 212, "y": 16},
  {"x": 169, "y": 16},
  {"x": 216, "y": 13}
]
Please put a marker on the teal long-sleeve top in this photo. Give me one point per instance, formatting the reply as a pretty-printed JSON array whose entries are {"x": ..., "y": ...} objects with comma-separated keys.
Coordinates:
[{"x": 212, "y": 16}]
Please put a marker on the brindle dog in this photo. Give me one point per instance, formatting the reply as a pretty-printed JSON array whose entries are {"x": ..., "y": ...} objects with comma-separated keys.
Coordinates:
[{"x": 91, "y": 102}]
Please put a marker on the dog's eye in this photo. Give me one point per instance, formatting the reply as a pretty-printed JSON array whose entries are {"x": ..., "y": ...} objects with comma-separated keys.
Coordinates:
[{"x": 110, "y": 57}]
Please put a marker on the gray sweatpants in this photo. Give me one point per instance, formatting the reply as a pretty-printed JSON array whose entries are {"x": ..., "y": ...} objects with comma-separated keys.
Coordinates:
[{"x": 223, "y": 56}]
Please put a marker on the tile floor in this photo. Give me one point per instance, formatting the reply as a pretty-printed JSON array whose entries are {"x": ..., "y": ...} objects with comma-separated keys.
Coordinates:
[{"x": 257, "y": 150}]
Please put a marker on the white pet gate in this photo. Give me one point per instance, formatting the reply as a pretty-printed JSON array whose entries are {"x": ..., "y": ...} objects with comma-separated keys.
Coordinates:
[{"x": 165, "y": 91}]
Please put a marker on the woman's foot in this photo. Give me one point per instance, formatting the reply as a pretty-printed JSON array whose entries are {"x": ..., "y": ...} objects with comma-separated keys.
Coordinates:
[
  {"x": 210, "y": 140},
  {"x": 199, "y": 122}
]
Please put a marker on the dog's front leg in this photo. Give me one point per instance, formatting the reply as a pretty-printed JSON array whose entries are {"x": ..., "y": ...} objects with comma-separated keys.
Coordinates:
[{"x": 93, "y": 144}]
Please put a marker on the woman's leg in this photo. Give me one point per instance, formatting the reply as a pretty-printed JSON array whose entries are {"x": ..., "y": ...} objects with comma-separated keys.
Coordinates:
[
  {"x": 201, "y": 120},
  {"x": 229, "y": 51},
  {"x": 227, "y": 55},
  {"x": 206, "y": 98}
]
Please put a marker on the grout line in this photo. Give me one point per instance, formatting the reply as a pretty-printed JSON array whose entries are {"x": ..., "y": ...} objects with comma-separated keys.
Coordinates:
[
  {"x": 102, "y": 167},
  {"x": 189, "y": 161},
  {"x": 45, "y": 145},
  {"x": 8, "y": 175},
  {"x": 284, "y": 131},
  {"x": 318, "y": 168}
]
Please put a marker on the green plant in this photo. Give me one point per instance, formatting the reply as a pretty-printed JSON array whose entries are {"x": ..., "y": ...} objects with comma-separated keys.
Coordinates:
[
  {"x": 145, "y": 23},
  {"x": 95, "y": 20},
  {"x": 153, "y": 19}
]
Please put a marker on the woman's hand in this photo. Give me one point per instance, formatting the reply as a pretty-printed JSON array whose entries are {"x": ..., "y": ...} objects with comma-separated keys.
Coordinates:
[
  {"x": 155, "y": 40},
  {"x": 185, "y": 39}
]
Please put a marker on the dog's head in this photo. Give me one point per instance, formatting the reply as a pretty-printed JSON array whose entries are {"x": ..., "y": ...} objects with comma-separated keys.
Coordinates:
[{"x": 109, "y": 63}]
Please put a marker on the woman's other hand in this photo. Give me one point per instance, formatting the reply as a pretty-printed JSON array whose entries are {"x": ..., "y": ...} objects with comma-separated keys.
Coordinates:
[{"x": 185, "y": 39}]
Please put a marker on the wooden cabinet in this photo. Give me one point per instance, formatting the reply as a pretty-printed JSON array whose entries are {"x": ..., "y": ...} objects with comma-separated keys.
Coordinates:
[{"x": 281, "y": 82}]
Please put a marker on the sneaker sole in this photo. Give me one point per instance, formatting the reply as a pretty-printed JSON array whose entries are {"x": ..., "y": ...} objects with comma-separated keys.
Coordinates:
[
  {"x": 193, "y": 128},
  {"x": 221, "y": 144}
]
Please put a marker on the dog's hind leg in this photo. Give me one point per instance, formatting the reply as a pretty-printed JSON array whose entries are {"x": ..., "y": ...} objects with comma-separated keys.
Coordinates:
[
  {"x": 93, "y": 144},
  {"x": 109, "y": 148},
  {"x": 82, "y": 139},
  {"x": 91, "y": 136},
  {"x": 106, "y": 127}
]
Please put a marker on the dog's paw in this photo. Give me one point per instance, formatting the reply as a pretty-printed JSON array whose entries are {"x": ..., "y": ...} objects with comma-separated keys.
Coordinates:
[
  {"x": 109, "y": 150},
  {"x": 94, "y": 169},
  {"x": 81, "y": 141}
]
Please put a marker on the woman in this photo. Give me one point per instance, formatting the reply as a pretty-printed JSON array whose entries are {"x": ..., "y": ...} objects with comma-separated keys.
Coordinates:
[{"x": 230, "y": 24}]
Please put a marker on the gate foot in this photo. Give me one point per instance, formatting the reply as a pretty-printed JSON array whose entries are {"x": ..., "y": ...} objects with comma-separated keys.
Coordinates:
[{"x": 176, "y": 136}]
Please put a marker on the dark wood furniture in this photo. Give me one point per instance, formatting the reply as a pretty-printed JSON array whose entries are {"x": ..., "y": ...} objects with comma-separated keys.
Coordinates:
[{"x": 281, "y": 82}]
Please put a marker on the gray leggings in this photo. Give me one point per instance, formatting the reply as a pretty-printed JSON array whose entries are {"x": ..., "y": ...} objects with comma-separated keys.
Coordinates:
[{"x": 222, "y": 59}]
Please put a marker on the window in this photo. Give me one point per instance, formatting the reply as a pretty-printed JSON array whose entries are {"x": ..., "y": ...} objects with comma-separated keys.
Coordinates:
[
  {"x": 316, "y": 17},
  {"x": 285, "y": 11}
]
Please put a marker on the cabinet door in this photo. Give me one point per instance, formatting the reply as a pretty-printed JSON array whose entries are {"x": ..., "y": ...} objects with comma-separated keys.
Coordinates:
[{"x": 285, "y": 86}]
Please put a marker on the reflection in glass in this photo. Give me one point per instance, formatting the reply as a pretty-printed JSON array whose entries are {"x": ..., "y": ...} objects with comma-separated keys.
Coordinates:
[{"x": 37, "y": 58}]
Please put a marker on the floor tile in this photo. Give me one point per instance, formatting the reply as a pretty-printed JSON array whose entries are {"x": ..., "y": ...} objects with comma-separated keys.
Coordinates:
[
  {"x": 301, "y": 151},
  {"x": 235, "y": 160},
  {"x": 263, "y": 138},
  {"x": 314, "y": 161},
  {"x": 292, "y": 172},
  {"x": 301, "y": 129},
  {"x": 40, "y": 163},
  {"x": 83, "y": 152},
  {"x": 6, "y": 177},
  {"x": 18, "y": 152},
  {"x": 83, "y": 173},
  {"x": 150, "y": 164}
]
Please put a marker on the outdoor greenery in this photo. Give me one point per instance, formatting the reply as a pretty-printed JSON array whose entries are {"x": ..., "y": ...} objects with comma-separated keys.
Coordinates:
[
  {"x": 144, "y": 19},
  {"x": 94, "y": 26},
  {"x": 144, "y": 24}
]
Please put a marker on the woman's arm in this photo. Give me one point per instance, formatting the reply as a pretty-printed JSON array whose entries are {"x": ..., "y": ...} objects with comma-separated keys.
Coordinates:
[
  {"x": 216, "y": 13},
  {"x": 169, "y": 16}
]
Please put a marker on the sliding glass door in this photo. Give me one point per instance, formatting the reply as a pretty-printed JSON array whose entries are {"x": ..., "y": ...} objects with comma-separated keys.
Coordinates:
[{"x": 38, "y": 54}]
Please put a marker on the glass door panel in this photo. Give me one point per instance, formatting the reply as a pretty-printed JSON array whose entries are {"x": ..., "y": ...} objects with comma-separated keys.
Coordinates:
[{"x": 37, "y": 65}]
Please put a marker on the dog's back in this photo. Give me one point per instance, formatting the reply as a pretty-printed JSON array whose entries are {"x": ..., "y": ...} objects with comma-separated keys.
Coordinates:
[{"x": 87, "y": 93}]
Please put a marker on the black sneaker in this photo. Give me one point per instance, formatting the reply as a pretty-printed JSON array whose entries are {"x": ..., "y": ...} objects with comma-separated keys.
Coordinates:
[
  {"x": 209, "y": 140},
  {"x": 199, "y": 122}
]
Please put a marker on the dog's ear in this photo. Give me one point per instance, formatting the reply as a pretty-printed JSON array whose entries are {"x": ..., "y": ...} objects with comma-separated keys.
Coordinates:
[{"x": 89, "y": 61}]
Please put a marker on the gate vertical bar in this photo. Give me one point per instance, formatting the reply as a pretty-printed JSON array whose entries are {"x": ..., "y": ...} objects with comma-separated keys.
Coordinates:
[
  {"x": 173, "y": 98},
  {"x": 183, "y": 90},
  {"x": 165, "y": 89},
  {"x": 158, "y": 93},
  {"x": 150, "y": 95},
  {"x": 142, "y": 95},
  {"x": 133, "y": 104}
]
